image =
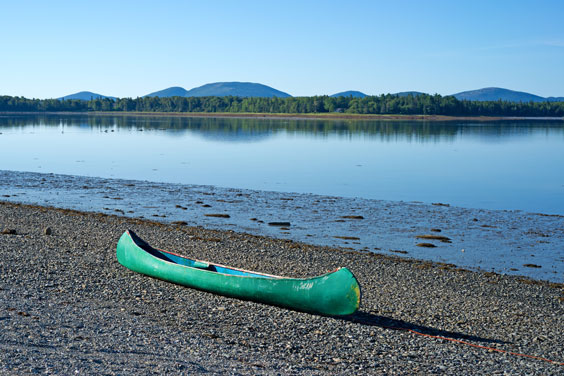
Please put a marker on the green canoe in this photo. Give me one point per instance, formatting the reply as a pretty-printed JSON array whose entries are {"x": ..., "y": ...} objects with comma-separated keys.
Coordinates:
[{"x": 335, "y": 293}]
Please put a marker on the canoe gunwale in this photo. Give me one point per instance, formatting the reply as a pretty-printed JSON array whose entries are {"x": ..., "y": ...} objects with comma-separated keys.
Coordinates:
[{"x": 272, "y": 276}]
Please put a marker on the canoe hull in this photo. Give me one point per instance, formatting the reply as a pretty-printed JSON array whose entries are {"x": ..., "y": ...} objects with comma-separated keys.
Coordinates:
[{"x": 336, "y": 293}]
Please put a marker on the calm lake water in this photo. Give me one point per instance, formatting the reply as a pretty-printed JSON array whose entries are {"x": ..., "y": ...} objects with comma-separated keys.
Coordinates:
[{"x": 492, "y": 165}]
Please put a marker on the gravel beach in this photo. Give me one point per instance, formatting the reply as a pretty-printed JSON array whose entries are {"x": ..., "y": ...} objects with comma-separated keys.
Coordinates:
[{"x": 68, "y": 307}]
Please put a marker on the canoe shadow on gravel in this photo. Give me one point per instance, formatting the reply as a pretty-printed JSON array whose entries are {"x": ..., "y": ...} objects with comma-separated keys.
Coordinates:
[{"x": 364, "y": 318}]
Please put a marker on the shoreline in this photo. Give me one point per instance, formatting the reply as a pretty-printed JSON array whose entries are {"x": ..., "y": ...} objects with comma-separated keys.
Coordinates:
[
  {"x": 69, "y": 306},
  {"x": 344, "y": 250},
  {"x": 284, "y": 116},
  {"x": 508, "y": 242}
]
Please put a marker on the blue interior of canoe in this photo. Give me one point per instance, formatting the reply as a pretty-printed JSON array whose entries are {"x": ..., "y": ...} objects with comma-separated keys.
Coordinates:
[{"x": 177, "y": 259}]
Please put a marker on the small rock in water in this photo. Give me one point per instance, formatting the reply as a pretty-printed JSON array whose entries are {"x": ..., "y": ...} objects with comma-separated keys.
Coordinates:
[
  {"x": 180, "y": 223},
  {"x": 440, "y": 204},
  {"x": 48, "y": 231},
  {"x": 282, "y": 224},
  {"x": 436, "y": 230},
  {"x": 532, "y": 266},
  {"x": 352, "y": 217},
  {"x": 218, "y": 215},
  {"x": 443, "y": 239},
  {"x": 398, "y": 251},
  {"x": 426, "y": 245},
  {"x": 347, "y": 237}
]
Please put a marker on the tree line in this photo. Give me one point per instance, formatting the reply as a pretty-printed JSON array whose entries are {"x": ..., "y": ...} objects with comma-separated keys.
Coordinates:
[{"x": 388, "y": 104}]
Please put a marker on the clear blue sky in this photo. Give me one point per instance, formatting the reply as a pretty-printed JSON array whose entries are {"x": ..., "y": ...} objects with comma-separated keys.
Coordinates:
[{"x": 130, "y": 48}]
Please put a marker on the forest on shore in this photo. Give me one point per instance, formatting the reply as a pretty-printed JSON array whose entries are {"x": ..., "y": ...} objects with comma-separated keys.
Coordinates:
[{"x": 386, "y": 104}]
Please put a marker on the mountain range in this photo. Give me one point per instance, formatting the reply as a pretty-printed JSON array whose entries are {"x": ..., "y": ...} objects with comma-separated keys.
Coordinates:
[
  {"x": 85, "y": 96},
  {"x": 497, "y": 93},
  {"x": 350, "y": 93},
  {"x": 249, "y": 89},
  {"x": 222, "y": 89}
]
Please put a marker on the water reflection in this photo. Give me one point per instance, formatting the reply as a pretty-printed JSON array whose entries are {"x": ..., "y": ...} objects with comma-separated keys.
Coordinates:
[{"x": 249, "y": 129}]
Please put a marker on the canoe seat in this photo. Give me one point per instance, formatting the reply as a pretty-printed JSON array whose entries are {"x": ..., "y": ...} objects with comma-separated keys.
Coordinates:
[{"x": 201, "y": 265}]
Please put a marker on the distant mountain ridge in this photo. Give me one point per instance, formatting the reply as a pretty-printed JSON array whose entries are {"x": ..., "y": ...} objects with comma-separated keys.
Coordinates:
[
  {"x": 223, "y": 89},
  {"x": 407, "y": 93},
  {"x": 350, "y": 93},
  {"x": 85, "y": 96},
  {"x": 175, "y": 91},
  {"x": 249, "y": 89},
  {"x": 497, "y": 93}
]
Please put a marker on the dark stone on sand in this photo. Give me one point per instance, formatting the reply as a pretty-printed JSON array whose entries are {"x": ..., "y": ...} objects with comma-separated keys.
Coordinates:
[
  {"x": 48, "y": 231},
  {"x": 9, "y": 231},
  {"x": 282, "y": 224},
  {"x": 426, "y": 245},
  {"x": 218, "y": 215}
]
